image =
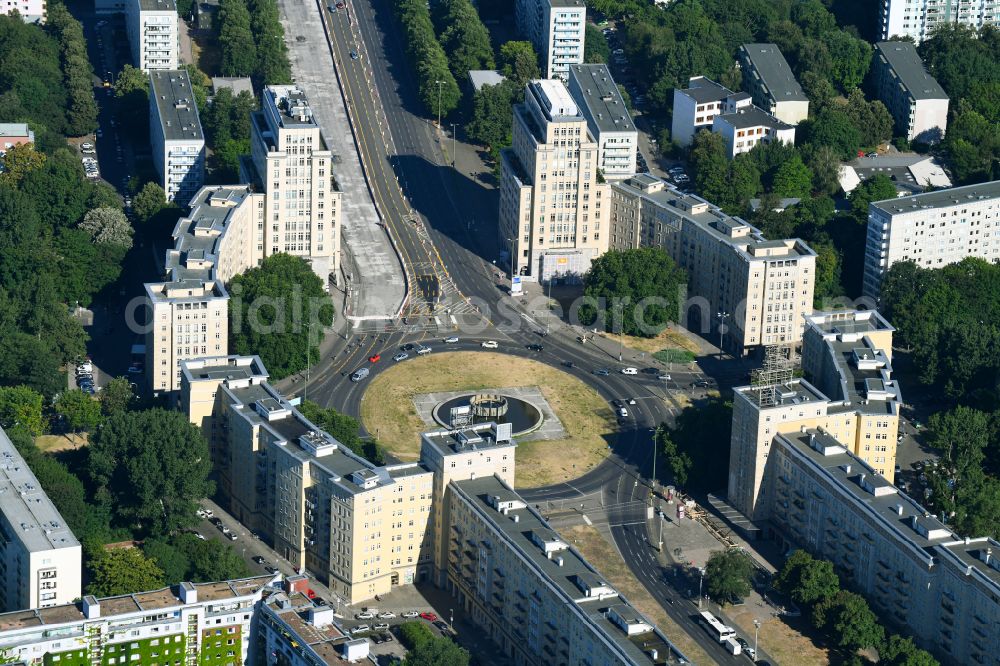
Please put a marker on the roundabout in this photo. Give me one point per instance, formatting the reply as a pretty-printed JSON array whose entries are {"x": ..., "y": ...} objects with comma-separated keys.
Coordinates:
[
  {"x": 470, "y": 408},
  {"x": 388, "y": 409}
]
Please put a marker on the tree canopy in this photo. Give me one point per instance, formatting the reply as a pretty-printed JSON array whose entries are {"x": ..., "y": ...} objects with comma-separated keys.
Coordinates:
[
  {"x": 727, "y": 576},
  {"x": 436, "y": 86},
  {"x": 344, "y": 428},
  {"x": 696, "y": 443},
  {"x": 118, "y": 571},
  {"x": 184, "y": 557},
  {"x": 638, "y": 291},
  {"x": 463, "y": 36},
  {"x": 153, "y": 466},
  {"x": 21, "y": 406}
]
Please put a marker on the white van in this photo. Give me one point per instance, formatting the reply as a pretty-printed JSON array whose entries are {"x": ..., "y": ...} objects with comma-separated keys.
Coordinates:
[
  {"x": 359, "y": 374},
  {"x": 630, "y": 371}
]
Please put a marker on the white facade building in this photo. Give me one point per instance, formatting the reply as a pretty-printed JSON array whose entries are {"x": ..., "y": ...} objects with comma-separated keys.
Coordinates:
[
  {"x": 918, "y": 104},
  {"x": 152, "y": 33},
  {"x": 176, "y": 137},
  {"x": 932, "y": 229},
  {"x": 40, "y": 559},
  {"x": 696, "y": 106},
  {"x": 31, "y": 11},
  {"x": 743, "y": 127},
  {"x": 557, "y": 30},
  {"x": 607, "y": 119},
  {"x": 292, "y": 163},
  {"x": 919, "y": 18},
  {"x": 553, "y": 209}
]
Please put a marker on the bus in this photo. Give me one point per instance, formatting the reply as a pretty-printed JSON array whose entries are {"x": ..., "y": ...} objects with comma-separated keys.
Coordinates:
[{"x": 712, "y": 625}]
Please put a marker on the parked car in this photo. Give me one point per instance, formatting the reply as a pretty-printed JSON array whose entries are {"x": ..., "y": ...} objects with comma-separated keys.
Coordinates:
[
  {"x": 260, "y": 560},
  {"x": 381, "y": 626},
  {"x": 411, "y": 614},
  {"x": 231, "y": 536},
  {"x": 360, "y": 629},
  {"x": 87, "y": 148},
  {"x": 365, "y": 616},
  {"x": 430, "y": 617},
  {"x": 387, "y": 615}
]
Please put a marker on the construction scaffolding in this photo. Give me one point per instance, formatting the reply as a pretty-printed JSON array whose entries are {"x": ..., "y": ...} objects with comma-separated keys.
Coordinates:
[{"x": 778, "y": 370}]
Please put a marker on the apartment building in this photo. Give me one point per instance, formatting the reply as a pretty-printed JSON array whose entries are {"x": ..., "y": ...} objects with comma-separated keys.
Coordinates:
[
  {"x": 918, "y": 19},
  {"x": 608, "y": 121},
  {"x": 553, "y": 204},
  {"x": 942, "y": 589},
  {"x": 696, "y": 106},
  {"x": 744, "y": 127},
  {"x": 532, "y": 592},
  {"x": 932, "y": 229},
  {"x": 152, "y": 33},
  {"x": 847, "y": 391},
  {"x": 291, "y": 163},
  {"x": 771, "y": 84},
  {"x": 40, "y": 559},
  {"x": 176, "y": 137},
  {"x": 557, "y": 30},
  {"x": 221, "y": 236},
  {"x": 15, "y": 134},
  {"x": 292, "y": 630},
  {"x": 31, "y": 11},
  {"x": 203, "y": 623},
  {"x": 765, "y": 286},
  {"x": 918, "y": 104}
]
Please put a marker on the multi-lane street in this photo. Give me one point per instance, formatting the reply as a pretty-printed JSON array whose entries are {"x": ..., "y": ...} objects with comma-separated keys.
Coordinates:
[{"x": 428, "y": 209}]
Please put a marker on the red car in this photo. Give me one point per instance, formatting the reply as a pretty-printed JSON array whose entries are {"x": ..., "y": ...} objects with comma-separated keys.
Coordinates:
[
  {"x": 374, "y": 358},
  {"x": 430, "y": 617},
  {"x": 310, "y": 593}
]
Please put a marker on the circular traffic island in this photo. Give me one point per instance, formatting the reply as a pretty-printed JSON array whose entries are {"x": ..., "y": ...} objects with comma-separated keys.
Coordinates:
[{"x": 488, "y": 384}]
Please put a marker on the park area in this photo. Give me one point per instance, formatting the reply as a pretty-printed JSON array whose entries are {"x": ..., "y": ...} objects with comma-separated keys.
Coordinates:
[{"x": 388, "y": 409}]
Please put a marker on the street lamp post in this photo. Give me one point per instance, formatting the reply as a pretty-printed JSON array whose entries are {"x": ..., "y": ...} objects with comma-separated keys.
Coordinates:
[
  {"x": 451, "y": 616},
  {"x": 653, "y": 432},
  {"x": 722, "y": 314},
  {"x": 511, "y": 242},
  {"x": 440, "y": 83},
  {"x": 701, "y": 570},
  {"x": 454, "y": 153},
  {"x": 756, "y": 630}
]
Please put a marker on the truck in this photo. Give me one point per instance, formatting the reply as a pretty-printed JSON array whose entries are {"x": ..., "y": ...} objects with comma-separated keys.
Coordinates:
[{"x": 732, "y": 646}]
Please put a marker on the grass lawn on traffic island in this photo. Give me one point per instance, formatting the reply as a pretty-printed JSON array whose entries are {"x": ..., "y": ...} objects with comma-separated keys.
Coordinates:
[{"x": 387, "y": 408}]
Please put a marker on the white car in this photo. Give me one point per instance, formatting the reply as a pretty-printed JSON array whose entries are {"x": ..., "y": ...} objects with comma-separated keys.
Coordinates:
[
  {"x": 360, "y": 629},
  {"x": 382, "y": 626},
  {"x": 208, "y": 513},
  {"x": 87, "y": 148},
  {"x": 423, "y": 350},
  {"x": 489, "y": 344},
  {"x": 388, "y": 615},
  {"x": 365, "y": 616},
  {"x": 622, "y": 412},
  {"x": 411, "y": 614},
  {"x": 630, "y": 371},
  {"x": 451, "y": 340}
]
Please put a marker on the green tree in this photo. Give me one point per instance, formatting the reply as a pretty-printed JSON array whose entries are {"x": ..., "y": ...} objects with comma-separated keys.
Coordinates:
[
  {"x": 278, "y": 310},
  {"x": 108, "y": 226},
  {"x": 849, "y": 621},
  {"x": 150, "y": 200},
  {"x": 117, "y": 396},
  {"x": 464, "y": 37},
  {"x": 18, "y": 162},
  {"x": 693, "y": 446},
  {"x": 412, "y": 634},
  {"x": 123, "y": 571},
  {"x": 171, "y": 560},
  {"x": 437, "y": 652},
  {"x": 81, "y": 111},
  {"x": 153, "y": 465},
  {"x": 678, "y": 461},
  {"x": 834, "y": 128},
  {"x": 872, "y": 119},
  {"x": 707, "y": 159},
  {"x": 642, "y": 287},
  {"x": 21, "y": 406},
  {"x": 436, "y": 87},
  {"x": 519, "y": 62},
  {"x": 727, "y": 576},
  {"x": 344, "y": 429},
  {"x": 824, "y": 163},
  {"x": 78, "y": 410},
  {"x": 900, "y": 651},
  {"x": 491, "y": 116},
  {"x": 850, "y": 58},
  {"x": 806, "y": 579},
  {"x": 269, "y": 36},
  {"x": 595, "y": 47},
  {"x": 877, "y": 188},
  {"x": 239, "y": 52},
  {"x": 793, "y": 179}
]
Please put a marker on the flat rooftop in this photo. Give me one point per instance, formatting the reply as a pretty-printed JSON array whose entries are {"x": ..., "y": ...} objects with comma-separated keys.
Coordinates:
[
  {"x": 223, "y": 368},
  {"x": 852, "y": 322},
  {"x": 752, "y": 116},
  {"x": 480, "y": 436},
  {"x": 599, "y": 93},
  {"x": 939, "y": 198},
  {"x": 168, "y": 597},
  {"x": 554, "y": 99},
  {"x": 775, "y": 73},
  {"x": 31, "y": 516},
  {"x": 704, "y": 90},
  {"x": 732, "y": 231},
  {"x": 570, "y": 578},
  {"x": 321, "y": 638},
  {"x": 157, "y": 6},
  {"x": 290, "y": 105},
  {"x": 176, "y": 108},
  {"x": 902, "y": 57}
]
